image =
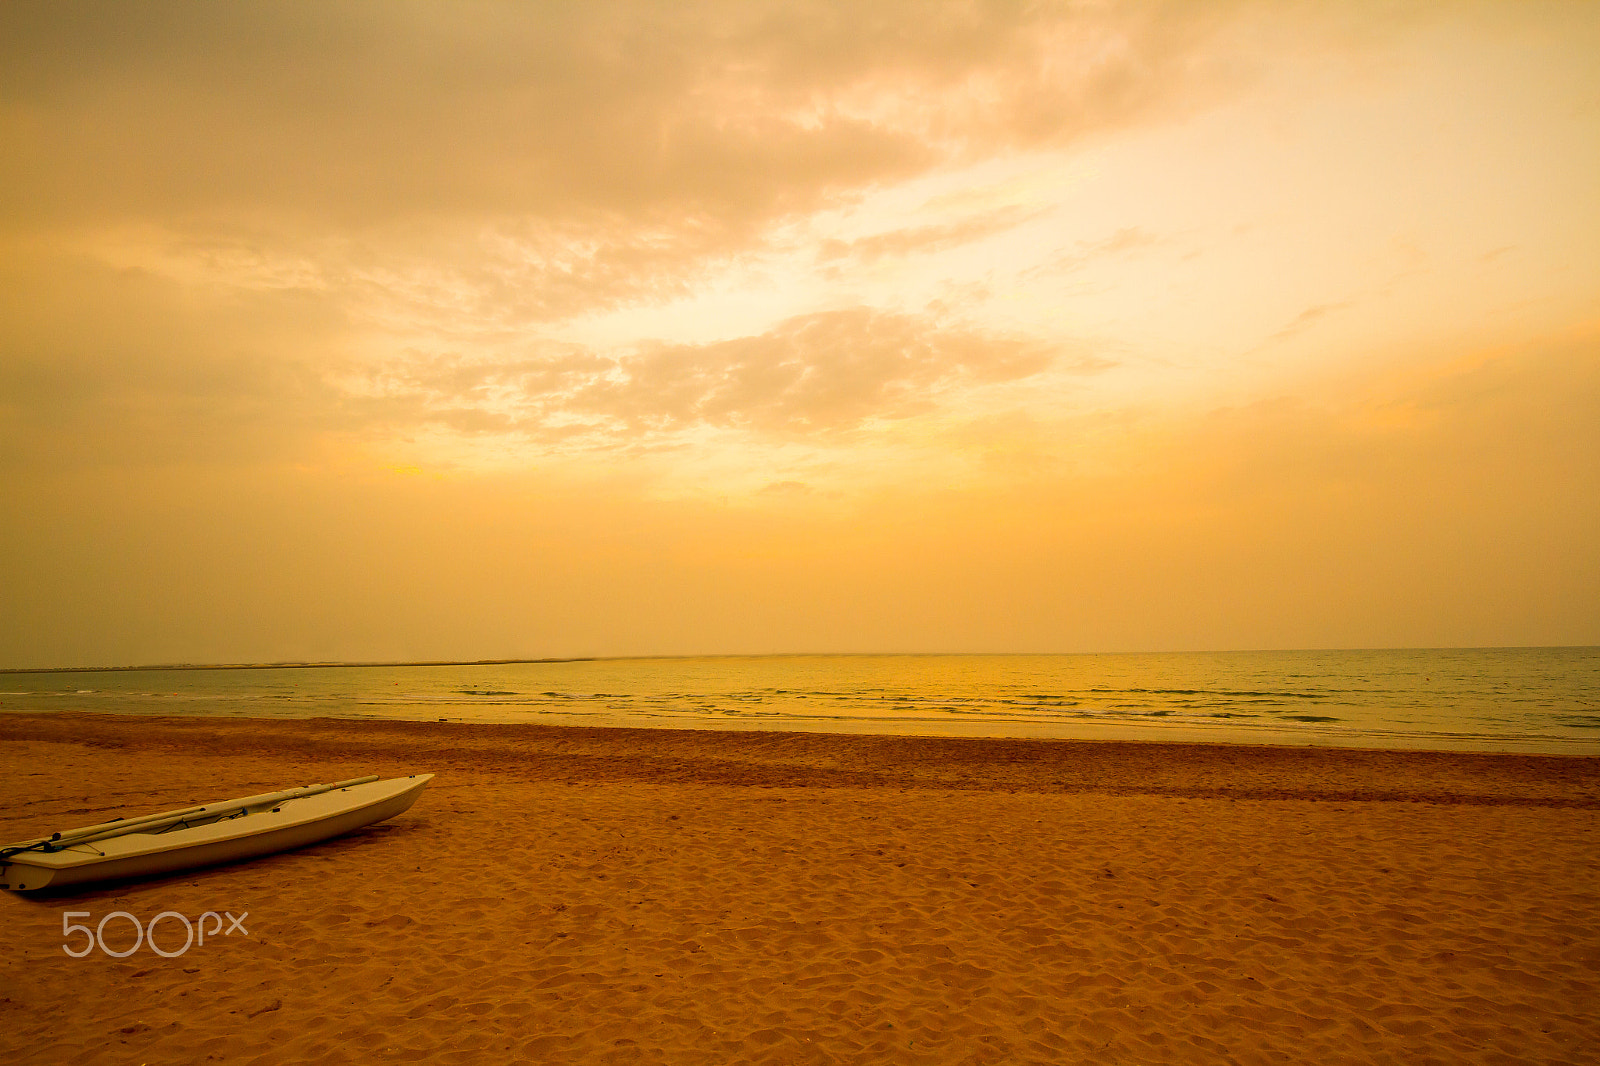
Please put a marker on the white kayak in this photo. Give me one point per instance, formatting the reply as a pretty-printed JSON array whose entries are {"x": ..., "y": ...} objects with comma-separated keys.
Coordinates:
[{"x": 203, "y": 836}]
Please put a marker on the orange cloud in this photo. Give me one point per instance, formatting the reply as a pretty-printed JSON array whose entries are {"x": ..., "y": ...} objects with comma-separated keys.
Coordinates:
[
  {"x": 817, "y": 373},
  {"x": 782, "y": 325}
]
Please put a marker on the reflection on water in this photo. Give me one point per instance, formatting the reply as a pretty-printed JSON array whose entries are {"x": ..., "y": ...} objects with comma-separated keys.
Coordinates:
[{"x": 1514, "y": 699}]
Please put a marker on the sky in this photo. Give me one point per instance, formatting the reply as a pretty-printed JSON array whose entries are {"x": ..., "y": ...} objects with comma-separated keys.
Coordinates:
[{"x": 372, "y": 331}]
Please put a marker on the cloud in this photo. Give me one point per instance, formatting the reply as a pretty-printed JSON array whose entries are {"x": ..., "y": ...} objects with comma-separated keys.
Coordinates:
[
  {"x": 819, "y": 373},
  {"x": 118, "y": 367},
  {"x": 1124, "y": 241},
  {"x": 261, "y": 262},
  {"x": 926, "y": 239},
  {"x": 1460, "y": 508},
  {"x": 785, "y": 489},
  {"x": 456, "y": 178},
  {"x": 124, "y": 367},
  {"x": 1308, "y": 318},
  {"x": 709, "y": 118}
]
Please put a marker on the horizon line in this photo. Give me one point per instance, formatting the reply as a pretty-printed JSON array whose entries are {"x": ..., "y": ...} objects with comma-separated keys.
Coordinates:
[{"x": 341, "y": 664}]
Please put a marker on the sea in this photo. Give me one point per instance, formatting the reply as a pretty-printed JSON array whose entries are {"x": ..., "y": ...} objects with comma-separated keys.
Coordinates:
[{"x": 1537, "y": 700}]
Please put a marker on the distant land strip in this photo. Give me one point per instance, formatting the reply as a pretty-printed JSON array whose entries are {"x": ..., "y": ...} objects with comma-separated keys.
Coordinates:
[{"x": 280, "y": 666}]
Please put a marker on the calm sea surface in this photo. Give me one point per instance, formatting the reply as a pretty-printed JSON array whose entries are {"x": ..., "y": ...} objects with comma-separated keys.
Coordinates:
[{"x": 1512, "y": 699}]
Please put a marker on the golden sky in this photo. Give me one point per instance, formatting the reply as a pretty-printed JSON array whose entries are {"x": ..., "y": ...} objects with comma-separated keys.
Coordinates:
[{"x": 402, "y": 330}]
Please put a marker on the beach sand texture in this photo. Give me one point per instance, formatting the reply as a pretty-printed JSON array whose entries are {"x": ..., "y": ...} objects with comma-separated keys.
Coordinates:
[{"x": 612, "y": 895}]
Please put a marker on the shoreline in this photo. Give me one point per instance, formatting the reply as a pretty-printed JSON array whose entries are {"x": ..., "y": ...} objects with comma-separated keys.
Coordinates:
[
  {"x": 785, "y": 758},
  {"x": 1161, "y": 731},
  {"x": 603, "y": 894}
]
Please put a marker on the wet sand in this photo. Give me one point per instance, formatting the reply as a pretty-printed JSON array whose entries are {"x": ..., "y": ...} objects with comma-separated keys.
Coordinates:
[{"x": 615, "y": 895}]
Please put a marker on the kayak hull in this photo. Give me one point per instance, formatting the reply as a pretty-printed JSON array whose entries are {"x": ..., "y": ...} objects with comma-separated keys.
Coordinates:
[{"x": 253, "y": 832}]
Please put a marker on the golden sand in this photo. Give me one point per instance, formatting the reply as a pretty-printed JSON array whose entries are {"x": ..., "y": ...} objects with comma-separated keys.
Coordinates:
[{"x": 614, "y": 895}]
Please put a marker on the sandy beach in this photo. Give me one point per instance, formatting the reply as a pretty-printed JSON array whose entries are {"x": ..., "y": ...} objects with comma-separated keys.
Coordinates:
[{"x": 615, "y": 895}]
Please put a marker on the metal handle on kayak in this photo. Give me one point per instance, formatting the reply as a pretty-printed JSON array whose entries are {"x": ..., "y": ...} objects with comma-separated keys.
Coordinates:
[
  {"x": 224, "y": 808},
  {"x": 70, "y": 835},
  {"x": 152, "y": 822}
]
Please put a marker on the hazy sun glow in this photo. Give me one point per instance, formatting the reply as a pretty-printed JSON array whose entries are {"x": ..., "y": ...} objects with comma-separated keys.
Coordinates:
[{"x": 349, "y": 331}]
